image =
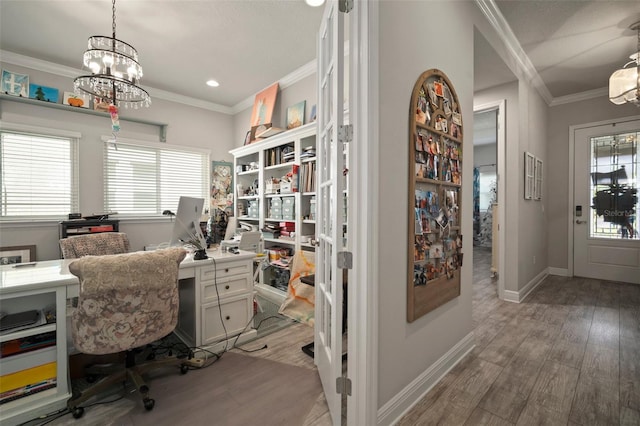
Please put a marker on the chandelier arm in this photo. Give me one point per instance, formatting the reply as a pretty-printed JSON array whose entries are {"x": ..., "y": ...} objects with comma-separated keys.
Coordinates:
[{"x": 113, "y": 48}]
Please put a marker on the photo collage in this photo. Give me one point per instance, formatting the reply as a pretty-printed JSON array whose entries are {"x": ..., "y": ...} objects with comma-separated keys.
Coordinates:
[{"x": 437, "y": 252}]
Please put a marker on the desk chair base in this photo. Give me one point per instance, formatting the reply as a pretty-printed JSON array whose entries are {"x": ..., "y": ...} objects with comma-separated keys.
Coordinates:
[{"x": 118, "y": 373}]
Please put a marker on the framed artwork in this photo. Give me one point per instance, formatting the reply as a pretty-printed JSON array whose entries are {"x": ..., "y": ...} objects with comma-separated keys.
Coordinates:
[
  {"x": 263, "y": 105},
  {"x": 15, "y": 84},
  {"x": 222, "y": 186},
  {"x": 71, "y": 98},
  {"x": 313, "y": 115},
  {"x": 43, "y": 93},
  {"x": 537, "y": 185},
  {"x": 529, "y": 175},
  {"x": 295, "y": 115},
  {"x": 17, "y": 254}
]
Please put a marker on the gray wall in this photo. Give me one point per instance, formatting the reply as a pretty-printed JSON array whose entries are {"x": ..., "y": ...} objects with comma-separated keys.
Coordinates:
[
  {"x": 557, "y": 169},
  {"x": 188, "y": 126},
  {"x": 484, "y": 154},
  {"x": 303, "y": 90},
  {"x": 408, "y": 33}
]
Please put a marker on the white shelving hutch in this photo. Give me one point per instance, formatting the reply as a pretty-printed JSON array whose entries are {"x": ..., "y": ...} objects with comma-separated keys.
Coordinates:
[{"x": 253, "y": 165}]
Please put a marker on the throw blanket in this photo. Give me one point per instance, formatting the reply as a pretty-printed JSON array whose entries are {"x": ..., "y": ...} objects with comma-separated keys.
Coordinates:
[{"x": 299, "y": 304}]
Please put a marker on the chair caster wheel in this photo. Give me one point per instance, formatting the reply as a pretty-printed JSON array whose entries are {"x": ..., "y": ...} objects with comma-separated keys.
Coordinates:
[
  {"x": 77, "y": 412},
  {"x": 149, "y": 403},
  {"x": 184, "y": 368}
]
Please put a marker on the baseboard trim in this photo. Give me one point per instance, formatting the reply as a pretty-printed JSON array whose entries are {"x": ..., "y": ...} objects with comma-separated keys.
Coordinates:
[
  {"x": 519, "y": 296},
  {"x": 561, "y": 272},
  {"x": 404, "y": 400}
]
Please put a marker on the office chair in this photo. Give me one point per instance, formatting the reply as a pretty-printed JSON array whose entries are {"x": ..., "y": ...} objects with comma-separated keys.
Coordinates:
[
  {"x": 94, "y": 244},
  {"x": 126, "y": 301}
]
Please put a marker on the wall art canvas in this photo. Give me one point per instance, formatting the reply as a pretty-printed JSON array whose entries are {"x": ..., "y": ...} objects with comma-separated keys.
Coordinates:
[
  {"x": 43, "y": 93},
  {"x": 263, "y": 105},
  {"x": 15, "y": 84},
  {"x": 71, "y": 98},
  {"x": 221, "y": 186},
  {"x": 295, "y": 115}
]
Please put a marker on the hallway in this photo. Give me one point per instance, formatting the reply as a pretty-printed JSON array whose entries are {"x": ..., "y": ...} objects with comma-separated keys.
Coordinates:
[{"x": 567, "y": 355}]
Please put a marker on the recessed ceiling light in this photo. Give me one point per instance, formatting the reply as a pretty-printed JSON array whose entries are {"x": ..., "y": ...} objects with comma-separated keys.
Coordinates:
[
  {"x": 314, "y": 3},
  {"x": 213, "y": 83}
]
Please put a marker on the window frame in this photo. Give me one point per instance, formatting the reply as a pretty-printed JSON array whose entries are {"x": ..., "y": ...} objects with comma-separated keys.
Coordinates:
[
  {"x": 47, "y": 132},
  {"x": 106, "y": 140}
]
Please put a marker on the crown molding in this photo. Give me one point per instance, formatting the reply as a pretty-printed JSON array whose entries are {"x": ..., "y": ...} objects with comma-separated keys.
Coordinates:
[
  {"x": 502, "y": 28},
  {"x": 69, "y": 72},
  {"x": 582, "y": 96}
]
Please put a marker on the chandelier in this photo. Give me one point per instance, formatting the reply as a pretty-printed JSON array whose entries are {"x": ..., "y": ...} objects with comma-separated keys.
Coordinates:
[
  {"x": 115, "y": 71},
  {"x": 624, "y": 84}
]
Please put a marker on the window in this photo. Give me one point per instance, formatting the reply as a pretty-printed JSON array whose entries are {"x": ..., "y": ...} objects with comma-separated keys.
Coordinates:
[
  {"x": 143, "y": 179},
  {"x": 38, "y": 174}
]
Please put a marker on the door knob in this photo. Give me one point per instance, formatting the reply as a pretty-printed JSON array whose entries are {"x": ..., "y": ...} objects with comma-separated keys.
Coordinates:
[{"x": 579, "y": 222}]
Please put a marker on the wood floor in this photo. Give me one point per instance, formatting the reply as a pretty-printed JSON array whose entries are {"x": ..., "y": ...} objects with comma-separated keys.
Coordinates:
[{"x": 568, "y": 355}]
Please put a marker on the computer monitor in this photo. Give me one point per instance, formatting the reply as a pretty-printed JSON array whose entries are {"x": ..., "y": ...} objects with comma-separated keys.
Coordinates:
[{"x": 186, "y": 226}]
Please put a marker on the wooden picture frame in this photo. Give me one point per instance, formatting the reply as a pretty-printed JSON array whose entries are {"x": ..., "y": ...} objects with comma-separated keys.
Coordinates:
[
  {"x": 529, "y": 175},
  {"x": 17, "y": 254},
  {"x": 434, "y": 239}
]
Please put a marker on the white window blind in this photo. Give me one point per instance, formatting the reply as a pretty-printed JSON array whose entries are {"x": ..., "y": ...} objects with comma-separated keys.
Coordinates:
[
  {"x": 144, "y": 180},
  {"x": 38, "y": 175}
]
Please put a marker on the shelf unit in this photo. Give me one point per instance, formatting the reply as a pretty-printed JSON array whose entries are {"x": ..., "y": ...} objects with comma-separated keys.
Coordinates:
[
  {"x": 70, "y": 228},
  {"x": 46, "y": 365},
  {"x": 274, "y": 157}
]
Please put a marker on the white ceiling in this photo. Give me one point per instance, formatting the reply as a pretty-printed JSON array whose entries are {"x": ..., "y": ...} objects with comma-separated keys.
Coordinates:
[{"x": 246, "y": 45}]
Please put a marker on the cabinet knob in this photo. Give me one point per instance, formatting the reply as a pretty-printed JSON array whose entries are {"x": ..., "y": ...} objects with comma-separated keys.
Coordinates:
[
  {"x": 226, "y": 270},
  {"x": 226, "y": 287},
  {"x": 227, "y": 317}
]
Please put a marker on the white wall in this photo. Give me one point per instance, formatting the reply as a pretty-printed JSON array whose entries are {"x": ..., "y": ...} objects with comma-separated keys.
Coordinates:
[
  {"x": 557, "y": 166},
  {"x": 188, "y": 126},
  {"x": 409, "y": 37}
]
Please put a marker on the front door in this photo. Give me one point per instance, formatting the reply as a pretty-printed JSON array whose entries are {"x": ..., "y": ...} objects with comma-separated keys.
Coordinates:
[
  {"x": 605, "y": 209},
  {"x": 328, "y": 280}
]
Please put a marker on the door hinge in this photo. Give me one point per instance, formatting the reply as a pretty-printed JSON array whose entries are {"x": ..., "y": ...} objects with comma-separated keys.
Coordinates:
[
  {"x": 343, "y": 386},
  {"x": 345, "y": 5},
  {"x": 345, "y": 260},
  {"x": 345, "y": 133}
]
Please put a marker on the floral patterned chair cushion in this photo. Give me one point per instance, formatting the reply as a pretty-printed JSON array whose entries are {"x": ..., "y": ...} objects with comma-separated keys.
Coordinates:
[
  {"x": 125, "y": 300},
  {"x": 94, "y": 245}
]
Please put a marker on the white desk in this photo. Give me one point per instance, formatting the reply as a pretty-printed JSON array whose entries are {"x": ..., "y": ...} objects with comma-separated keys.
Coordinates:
[{"x": 50, "y": 283}]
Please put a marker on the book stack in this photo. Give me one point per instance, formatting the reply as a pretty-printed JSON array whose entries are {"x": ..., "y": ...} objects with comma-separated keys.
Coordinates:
[
  {"x": 287, "y": 229},
  {"x": 308, "y": 152}
]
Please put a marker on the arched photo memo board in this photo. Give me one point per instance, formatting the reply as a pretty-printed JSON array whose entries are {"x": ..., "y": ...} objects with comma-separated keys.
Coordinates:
[{"x": 435, "y": 185}]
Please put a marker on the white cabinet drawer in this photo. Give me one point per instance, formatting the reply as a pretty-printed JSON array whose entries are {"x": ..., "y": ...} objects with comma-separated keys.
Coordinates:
[
  {"x": 226, "y": 287},
  {"x": 236, "y": 314},
  {"x": 225, "y": 269}
]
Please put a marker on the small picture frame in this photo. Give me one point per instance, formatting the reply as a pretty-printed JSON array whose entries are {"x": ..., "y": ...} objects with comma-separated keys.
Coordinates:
[
  {"x": 438, "y": 88},
  {"x": 529, "y": 175},
  {"x": 537, "y": 185},
  {"x": 17, "y": 254},
  {"x": 75, "y": 100},
  {"x": 15, "y": 84},
  {"x": 313, "y": 115},
  {"x": 43, "y": 93},
  {"x": 295, "y": 115}
]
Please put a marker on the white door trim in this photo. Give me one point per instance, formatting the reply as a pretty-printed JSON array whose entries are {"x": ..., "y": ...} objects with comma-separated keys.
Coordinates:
[
  {"x": 501, "y": 150},
  {"x": 362, "y": 368},
  {"x": 572, "y": 147}
]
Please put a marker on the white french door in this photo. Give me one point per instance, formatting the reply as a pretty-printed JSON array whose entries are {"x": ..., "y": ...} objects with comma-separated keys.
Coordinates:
[
  {"x": 329, "y": 225},
  {"x": 605, "y": 209}
]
